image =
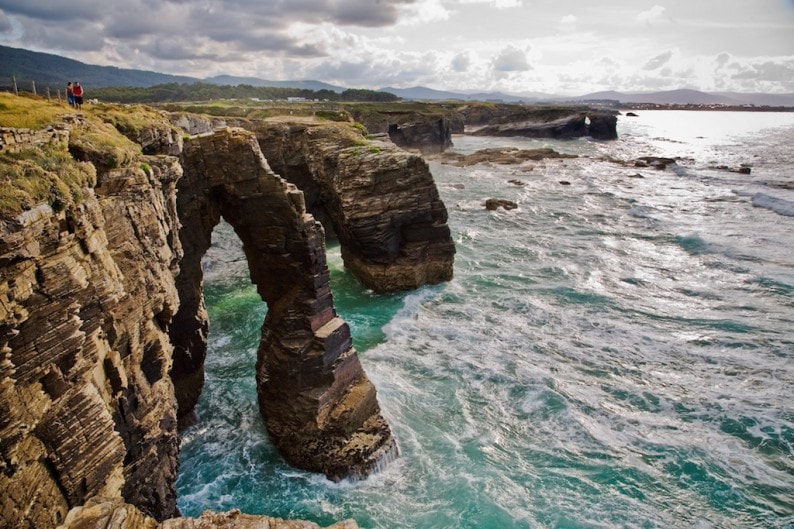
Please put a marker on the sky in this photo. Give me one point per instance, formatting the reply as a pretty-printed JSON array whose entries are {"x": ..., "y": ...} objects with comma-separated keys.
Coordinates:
[{"x": 564, "y": 47}]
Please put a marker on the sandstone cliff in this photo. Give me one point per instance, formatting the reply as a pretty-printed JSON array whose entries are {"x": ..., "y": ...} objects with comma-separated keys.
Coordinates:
[
  {"x": 86, "y": 295},
  {"x": 380, "y": 201},
  {"x": 102, "y": 326},
  {"x": 427, "y": 131}
]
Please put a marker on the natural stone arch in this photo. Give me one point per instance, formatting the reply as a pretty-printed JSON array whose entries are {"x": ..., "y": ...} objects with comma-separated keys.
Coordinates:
[{"x": 320, "y": 409}]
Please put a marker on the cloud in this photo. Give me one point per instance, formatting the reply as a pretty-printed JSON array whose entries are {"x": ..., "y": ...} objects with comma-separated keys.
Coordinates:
[
  {"x": 424, "y": 11},
  {"x": 654, "y": 14},
  {"x": 498, "y": 4},
  {"x": 5, "y": 23},
  {"x": 52, "y": 11},
  {"x": 231, "y": 25},
  {"x": 511, "y": 59},
  {"x": 658, "y": 61},
  {"x": 769, "y": 71},
  {"x": 568, "y": 20},
  {"x": 461, "y": 62},
  {"x": 722, "y": 59}
]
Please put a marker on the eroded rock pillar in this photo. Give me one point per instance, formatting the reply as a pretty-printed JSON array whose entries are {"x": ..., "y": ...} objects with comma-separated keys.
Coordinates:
[{"x": 320, "y": 408}]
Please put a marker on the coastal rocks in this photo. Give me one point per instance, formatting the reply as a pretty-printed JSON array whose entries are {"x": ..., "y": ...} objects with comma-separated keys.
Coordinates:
[
  {"x": 569, "y": 126},
  {"x": 320, "y": 409},
  {"x": 654, "y": 162},
  {"x": 493, "y": 204},
  {"x": 602, "y": 126},
  {"x": 503, "y": 156},
  {"x": 380, "y": 201},
  {"x": 109, "y": 513},
  {"x": 97, "y": 322},
  {"x": 428, "y": 132},
  {"x": 539, "y": 121},
  {"x": 86, "y": 406},
  {"x": 742, "y": 169}
]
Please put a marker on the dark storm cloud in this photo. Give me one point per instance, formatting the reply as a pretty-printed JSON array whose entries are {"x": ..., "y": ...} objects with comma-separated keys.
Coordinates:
[
  {"x": 54, "y": 11},
  {"x": 228, "y": 25},
  {"x": 5, "y": 23}
]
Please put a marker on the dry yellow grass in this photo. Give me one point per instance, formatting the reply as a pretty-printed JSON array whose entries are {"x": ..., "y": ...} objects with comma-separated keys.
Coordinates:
[
  {"x": 30, "y": 112},
  {"x": 52, "y": 174}
]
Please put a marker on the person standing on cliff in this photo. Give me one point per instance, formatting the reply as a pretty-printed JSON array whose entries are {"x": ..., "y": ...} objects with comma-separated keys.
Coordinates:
[
  {"x": 70, "y": 94},
  {"x": 78, "y": 96}
]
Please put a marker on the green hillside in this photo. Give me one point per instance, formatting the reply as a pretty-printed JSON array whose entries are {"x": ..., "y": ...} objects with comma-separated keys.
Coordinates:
[{"x": 54, "y": 71}]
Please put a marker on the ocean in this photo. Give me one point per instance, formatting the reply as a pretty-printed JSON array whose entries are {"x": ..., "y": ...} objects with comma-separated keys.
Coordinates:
[{"x": 617, "y": 352}]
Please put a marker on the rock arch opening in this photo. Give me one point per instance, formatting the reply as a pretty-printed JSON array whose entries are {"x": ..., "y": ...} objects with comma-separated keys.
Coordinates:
[{"x": 320, "y": 409}]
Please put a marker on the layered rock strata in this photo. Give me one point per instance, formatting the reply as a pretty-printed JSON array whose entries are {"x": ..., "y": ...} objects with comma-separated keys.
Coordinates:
[
  {"x": 539, "y": 121},
  {"x": 428, "y": 132},
  {"x": 86, "y": 294},
  {"x": 320, "y": 409},
  {"x": 101, "y": 318},
  {"x": 378, "y": 200},
  {"x": 108, "y": 513}
]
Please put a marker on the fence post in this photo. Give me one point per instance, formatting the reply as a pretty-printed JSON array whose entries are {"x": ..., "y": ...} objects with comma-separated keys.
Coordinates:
[
  {"x": 16, "y": 92},
  {"x": 34, "y": 87}
]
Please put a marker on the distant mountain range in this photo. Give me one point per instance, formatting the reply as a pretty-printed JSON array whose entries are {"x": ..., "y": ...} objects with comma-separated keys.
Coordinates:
[
  {"x": 693, "y": 97},
  {"x": 54, "y": 71}
]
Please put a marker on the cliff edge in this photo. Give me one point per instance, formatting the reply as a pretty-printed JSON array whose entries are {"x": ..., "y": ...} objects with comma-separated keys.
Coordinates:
[{"x": 104, "y": 217}]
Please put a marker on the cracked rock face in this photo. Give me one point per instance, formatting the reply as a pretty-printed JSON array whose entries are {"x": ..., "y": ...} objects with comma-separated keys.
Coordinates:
[
  {"x": 103, "y": 330},
  {"x": 380, "y": 201},
  {"x": 320, "y": 409},
  {"x": 86, "y": 406}
]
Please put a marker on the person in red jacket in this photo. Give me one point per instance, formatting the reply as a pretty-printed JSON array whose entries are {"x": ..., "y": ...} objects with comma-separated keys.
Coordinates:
[{"x": 78, "y": 96}]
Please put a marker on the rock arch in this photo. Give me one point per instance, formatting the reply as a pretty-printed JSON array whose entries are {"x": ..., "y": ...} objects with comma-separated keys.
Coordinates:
[{"x": 320, "y": 408}]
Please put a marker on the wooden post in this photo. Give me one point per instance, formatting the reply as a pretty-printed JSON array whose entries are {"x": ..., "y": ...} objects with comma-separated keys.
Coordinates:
[
  {"x": 16, "y": 92},
  {"x": 48, "y": 94},
  {"x": 59, "y": 96},
  {"x": 34, "y": 87}
]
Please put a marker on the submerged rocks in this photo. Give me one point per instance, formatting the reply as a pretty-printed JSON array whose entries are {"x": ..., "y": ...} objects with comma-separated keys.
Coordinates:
[
  {"x": 493, "y": 204},
  {"x": 503, "y": 155},
  {"x": 654, "y": 162},
  {"x": 742, "y": 169}
]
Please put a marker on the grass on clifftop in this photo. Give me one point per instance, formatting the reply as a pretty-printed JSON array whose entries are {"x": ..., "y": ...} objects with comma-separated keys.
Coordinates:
[
  {"x": 34, "y": 176},
  {"x": 51, "y": 173},
  {"x": 29, "y": 112}
]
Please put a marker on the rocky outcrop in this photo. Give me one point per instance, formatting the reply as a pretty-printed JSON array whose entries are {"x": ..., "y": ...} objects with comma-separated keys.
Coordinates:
[
  {"x": 539, "y": 121},
  {"x": 428, "y": 132},
  {"x": 602, "y": 126},
  {"x": 492, "y": 204},
  {"x": 320, "y": 409},
  {"x": 380, "y": 201},
  {"x": 86, "y": 294},
  {"x": 502, "y": 156},
  {"x": 102, "y": 327},
  {"x": 108, "y": 513}
]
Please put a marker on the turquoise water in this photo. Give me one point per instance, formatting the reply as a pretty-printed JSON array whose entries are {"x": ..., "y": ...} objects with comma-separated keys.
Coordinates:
[{"x": 616, "y": 352}]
